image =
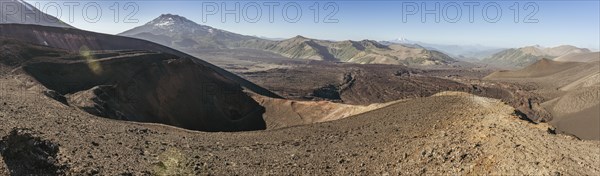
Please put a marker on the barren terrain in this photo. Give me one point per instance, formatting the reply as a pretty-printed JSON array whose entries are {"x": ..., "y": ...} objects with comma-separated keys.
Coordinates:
[
  {"x": 452, "y": 133},
  {"x": 570, "y": 91},
  {"x": 80, "y": 103}
]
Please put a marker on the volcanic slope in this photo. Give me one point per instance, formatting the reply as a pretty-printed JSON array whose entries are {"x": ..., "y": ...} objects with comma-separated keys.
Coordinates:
[
  {"x": 75, "y": 40},
  {"x": 137, "y": 86},
  {"x": 145, "y": 86},
  {"x": 579, "y": 57},
  {"x": 362, "y": 52},
  {"x": 571, "y": 91},
  {"x": 450, "y": 133},
  {"x": 21, "y": 12},
  {"x": 522, "y": 57},
  {"x": 186, "y": 35},
  {"x": 516, "y": 58}
]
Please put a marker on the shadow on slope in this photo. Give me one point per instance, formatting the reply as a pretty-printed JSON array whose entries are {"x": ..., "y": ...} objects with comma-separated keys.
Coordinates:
[
  {"x": 27, "y": 154},
  {"x": 141, "y": 86},
  {"x": 73, "y": 40}
]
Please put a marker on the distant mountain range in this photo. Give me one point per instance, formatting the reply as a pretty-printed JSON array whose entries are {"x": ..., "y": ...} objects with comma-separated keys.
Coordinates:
[
  {"x": 501, "y": 57},
  {"x": 185, "y": 35},
  {"x": 461, "y": 52},
  {"x": 25, "y": 13},
  {"x": 363, "y": 52},
  {"x": 521, "y": 57},
  {"x": 269, "y": 38}
]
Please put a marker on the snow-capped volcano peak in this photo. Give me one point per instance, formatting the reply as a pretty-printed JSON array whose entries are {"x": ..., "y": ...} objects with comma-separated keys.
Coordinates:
[
  {"x": 170, "y": 20},
  {"x": 175, "y": 30},
  {"x": 165, "y": 22},
  {"x": 178, "y": 23},
  {"x": 402, "y": 40}
]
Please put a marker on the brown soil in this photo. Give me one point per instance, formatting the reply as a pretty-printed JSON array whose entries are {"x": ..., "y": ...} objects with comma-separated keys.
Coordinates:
[
  {"x": 448, "y": 134},
  {"x": 140, "y": 86},
  {"x": 571, "y": 93},
  {"x": 49, "y": 127},
  {"x": 282, "y": 113},
  {"x": 351, "y": 83},
  {"x": 77, "y": 41},
  {"x": 579, "y": 57},
  {"x": 368, "y": 84}
]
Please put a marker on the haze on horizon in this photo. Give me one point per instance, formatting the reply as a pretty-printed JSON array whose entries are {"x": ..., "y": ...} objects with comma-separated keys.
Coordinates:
[{"x": 545, "y": 23}]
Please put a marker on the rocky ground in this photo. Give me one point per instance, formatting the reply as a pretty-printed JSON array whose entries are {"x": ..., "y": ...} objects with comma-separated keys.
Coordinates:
[
  {"x": 569, "y": 91},
  {"x": 369, "y": 84},
  {"x": 452, "y": 133},
  {"x": 375, "y": 120},
  {"x": 351, "y": 83}
]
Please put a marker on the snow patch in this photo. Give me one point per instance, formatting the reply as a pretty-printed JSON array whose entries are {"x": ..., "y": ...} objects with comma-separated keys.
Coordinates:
[{"x": 167, "y": 22}]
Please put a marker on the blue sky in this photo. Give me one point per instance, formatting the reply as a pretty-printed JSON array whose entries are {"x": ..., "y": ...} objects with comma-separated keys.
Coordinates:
[{"x": 550, "y": 23}]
